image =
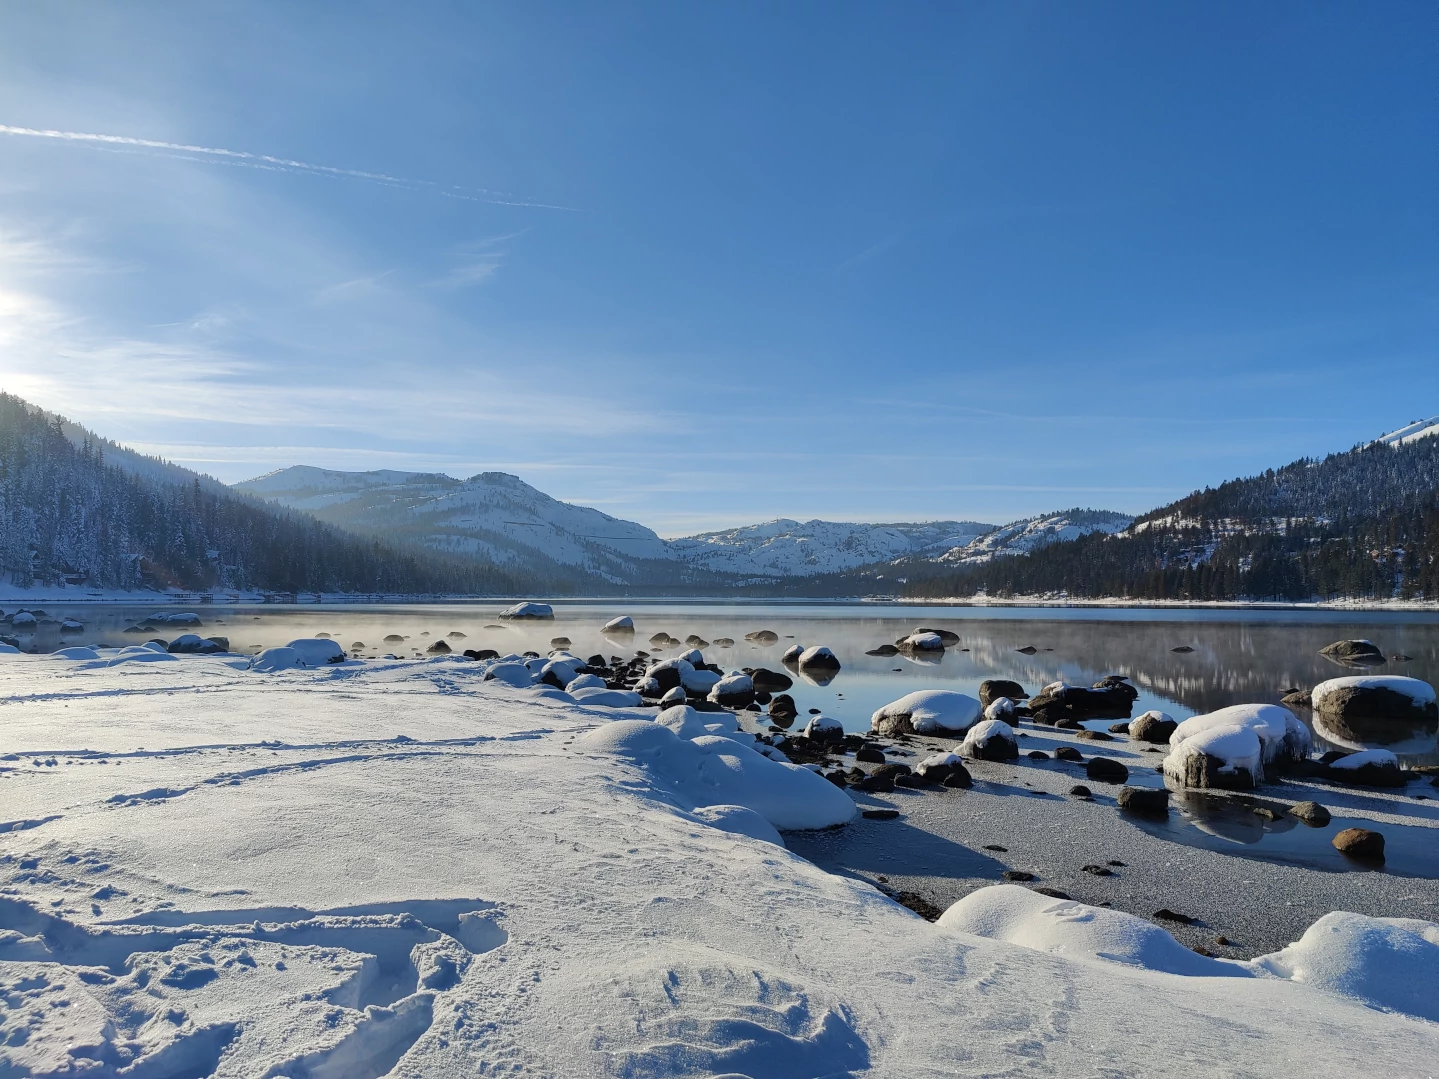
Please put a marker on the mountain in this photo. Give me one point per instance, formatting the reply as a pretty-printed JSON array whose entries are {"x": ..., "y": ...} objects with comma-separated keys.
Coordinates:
[
  {"x": 492, "y": 516},
  {"x": 786, "y": 548},
  {"x": 1416, "y": 429},
  {"x": 1358, "y": 524},
  {"x": 1030, "y": 534},
  {"x": 69, "y": 513}
]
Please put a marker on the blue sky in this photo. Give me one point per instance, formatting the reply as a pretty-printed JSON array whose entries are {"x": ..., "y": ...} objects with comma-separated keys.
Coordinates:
[{"x": 702, "y": 265}]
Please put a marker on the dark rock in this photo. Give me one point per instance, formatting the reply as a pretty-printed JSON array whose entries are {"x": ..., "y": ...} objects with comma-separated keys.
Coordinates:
[
  {"x": 763, "y": 637},
  {"x": 913, "y": 780},
  {"x": 918, "y": 904},
  {"x": 995, "y": 847},
  {"x": 836, "y": 777},
  {"x": 1354, "y": 651},
  {"x": 1312, "y": 813},
  {"x": 560, "y": 642},
  {"x": 695, "y": 641},
  {"x": 1151, "y": 802},
  {"x": 441, "y": 647},
  {"x": 1028, "y": 650},
  {"x": 1208, "y": 771},
  {"x": 1113, "y": 862},
  {"x": 481, "y": 654},
  {"x": 1106, "y": 770},
  {"x": 782, "y": 710},
  {"x": 1065, "y": 723},
  {"x": 1296, "y": 699},
  {"x": 880, "y": 815},
  {"x": 1047, "y": 891},
  {"x": 1173, "y": 916},
  {"x": 1122, "y": 728},
  {"x": 894, "y": 768},
  {"x": 1360, "y": 844},
  {"x": 1269, "y": 813},
  {"x": 870, "y": 754},
  {"x": 991, "y": 689},
  {"x": 1109, "y": 699},
  {"x": 1098, "y": 871},
  {"x": 1151, "y": 728},
  {"x": 1400, "y": 657},
  {"x": 1038, "y": 755},
  {"x": 997, "y": 746},
  {"x": 958, "y": 777},
  {"x": 770, "y": 682},
  {"x": 873, "y": 783},
  {"x": 1182, "y": 648},
  {"x": 1018, "y": 875},
  {"x": 1068, "y": 753},
  {"x": 882, "y": 650},
  {"x": 1080, "y": 791},
  {"x": 1094, "y": 736}
]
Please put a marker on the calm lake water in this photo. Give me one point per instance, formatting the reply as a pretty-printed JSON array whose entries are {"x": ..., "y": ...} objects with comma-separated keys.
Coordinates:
[{"x": 1239, "y": 655}]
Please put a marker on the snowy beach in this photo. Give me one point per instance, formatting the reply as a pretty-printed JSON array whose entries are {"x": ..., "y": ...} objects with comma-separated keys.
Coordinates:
[{"x": 396, "y": 865}]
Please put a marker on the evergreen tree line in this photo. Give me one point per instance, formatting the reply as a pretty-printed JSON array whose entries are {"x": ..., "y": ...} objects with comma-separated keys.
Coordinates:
[
  {"x": 1359, "y": 524},
  {"x": 67, "y": 515}
]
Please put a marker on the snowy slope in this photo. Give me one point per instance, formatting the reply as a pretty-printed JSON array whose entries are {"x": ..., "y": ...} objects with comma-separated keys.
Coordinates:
[
  {"x": 1420, "y": 429},
  {"x": 493, "y": 514},
  {"x": 398, "y": 868},
  {"x": 1021, "y": 537},
  {"x": 786, "y": 548}
]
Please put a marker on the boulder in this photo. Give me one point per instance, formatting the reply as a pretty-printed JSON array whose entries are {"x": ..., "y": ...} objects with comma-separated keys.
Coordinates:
[
  {"x": 870, "y": 754},
  {"x": 734, "y": 691},
  {"x": 921, "y": 641},
  {"x": 818, "y": 656},
  {"x": 926, "y": 712},
  {"x": 763, "y": 637},
  {"x": 770, "y": 682},
  {"x": 1106, "y": 770},
  {"x": 990, "y": 740},
  {"x": 1109, "y": 699},
  {"x": 1080, "y": 791},
  {"x": 482, "y": 654},
  {"x": 1360, "y": 844},
  {"x": 528, "y": 611},
  {"x": 1151, "y": 802},
  {"x": 1353, "y": 651},
  {"x": 1376, "y": 707},
  {"x": 824, "y": 729},
  {"x": 882, "y": 650},
  {"x": 782, "y": 710},
  {"x": 1152, "y": 727},
  {"x": 1094, "y": 736},
  {"x": 672, "y": 697},
  {"x": 1068, "y": 753},
  {"x": 439, "y": 648},
  {"x": 621, "y": 624},
  {"x": 1312, "y": 813},
  {"x": 1366, "y": 768},
  {"x": 991, "y": 689}
]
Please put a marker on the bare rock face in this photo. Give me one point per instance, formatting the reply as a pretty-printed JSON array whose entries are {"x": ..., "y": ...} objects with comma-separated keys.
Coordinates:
[{"x": 1360, "y": 844}]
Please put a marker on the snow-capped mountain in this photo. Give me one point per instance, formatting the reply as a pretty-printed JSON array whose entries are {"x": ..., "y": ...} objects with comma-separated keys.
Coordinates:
[
  {"x": 786, "y": 548},
  {"x": 494, "y": 515},
  {"x": 1418, "y": 429},
  {"x": 1030, "y": 534}
]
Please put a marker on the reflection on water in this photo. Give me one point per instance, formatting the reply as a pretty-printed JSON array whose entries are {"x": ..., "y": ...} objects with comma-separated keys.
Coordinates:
[{"x": 1236, "y": 655}]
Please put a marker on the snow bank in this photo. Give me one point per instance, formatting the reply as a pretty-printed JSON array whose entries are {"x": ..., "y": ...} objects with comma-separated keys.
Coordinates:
[
  {"x": 511, "y": 674},
  {"x": 929, "y": 712},
  {"x": 75, "y": 652},
  {"x": 281, "y": 658},
  {"x": 580, "y": 682},
  {"x": 1386, "y": 963},
  {"x": 741, "y": 820},
  {"x": 1077, "y": 931},
  {"x": 528, "y": 611},
  {"x": 317, "y": 652},
  {"x": 140, "y": 654},
  {"x": 601, "y": 695},
  {"x": 710, "y": 770}
]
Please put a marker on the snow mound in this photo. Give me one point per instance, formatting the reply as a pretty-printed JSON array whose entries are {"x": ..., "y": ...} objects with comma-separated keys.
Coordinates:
[
  {"x": 931, "y": 712},
  {"x": 1077, "y": 931},
  {"x": 601, "y": 695},
  {"x": 139, "y": 654},
  {"x": 75, "y": 652},
  {"x": 511, "y": 674},
  {"x": 528, "y": 611},
  {"x": 684, "y": 721},
  {"x": 317, "y": 652},
  {"x": 709, "y": 770},
  {"x": 580, "y": 682},
  {"x": 1386, "y": 963},
  {"x": 739, "y": 819},
  {"x": 282, "y": 658}
]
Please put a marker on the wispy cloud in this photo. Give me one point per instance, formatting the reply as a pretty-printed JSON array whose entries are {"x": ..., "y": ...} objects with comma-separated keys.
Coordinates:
[
  {"x": 870, "y": 252},
  {"x": 280, "y": 164},
  {"x": 476, "y": 263}
]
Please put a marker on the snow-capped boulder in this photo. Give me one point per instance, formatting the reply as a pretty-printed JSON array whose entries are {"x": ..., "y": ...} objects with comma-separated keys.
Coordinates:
[
  {"x": 511, "y": 674},
  {"x": 710, "y": 771},
  {"x": 824, "y": 729},
  {"x": 1367, "y": 768},
  {"x": 926, "y": 712},
  {"x": 740, "y": 820},
  {"x": 1231, "y": 748},
  {"x": 317, "y": 652},
  {"x": 72, "y": 626},
  {"x": 670, "y": 673},
  {"x": 1385, "y": 963},
  {"x": 695, "y": 657},
  {"x": 1358, "y": 700},
  {"x": 528, "y": 611},
  {"x": 139, "y": 654},
  {"x": 1109, "y": 699},
  {"x": 674, "y": 696},
  {"x": 1079, "y": 932},
  {"x": 151, "y": 646},
  {"x": 621, "y": 624},
  {"x": 1002, "y": 708},
  {"x": 991, "y": 689},
  {"x": 945, "y": 768},
  {"x": 282, "y": 658},
  {"x": 194, "y": 643},
  {"x": 23, "y": 622},
  {"x": 990, "y": 740},
  {"x": 557, "y": 673},
  {"x": 602, "y": 695},
  {"x": 580, "y": 682},
  {"x": 921, "y": 641},
  {"x": 179, "y": 618},
  {"x": 1153, "y": 726},
  {"x": 75, "y": 652},
  {"x": 818, "y": 656},
  {"x": 792, "y": 654},
  {"x": 733, "y": 691}
]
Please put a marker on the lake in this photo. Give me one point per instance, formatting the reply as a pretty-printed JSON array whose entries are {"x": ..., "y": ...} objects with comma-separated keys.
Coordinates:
[{"x": 1239, "y": 655}]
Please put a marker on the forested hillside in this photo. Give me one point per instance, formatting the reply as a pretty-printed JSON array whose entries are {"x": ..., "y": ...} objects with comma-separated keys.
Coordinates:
[
  {"x": 67, "y": 514},
  {"x": 1359, "y": 524}
]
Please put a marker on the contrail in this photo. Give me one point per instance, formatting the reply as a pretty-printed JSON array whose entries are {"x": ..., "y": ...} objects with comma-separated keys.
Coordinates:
[{"x": 267, "y": 161}]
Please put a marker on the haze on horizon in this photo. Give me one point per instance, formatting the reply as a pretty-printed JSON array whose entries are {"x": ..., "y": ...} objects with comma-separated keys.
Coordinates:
[{"x": 701, "y": 267}]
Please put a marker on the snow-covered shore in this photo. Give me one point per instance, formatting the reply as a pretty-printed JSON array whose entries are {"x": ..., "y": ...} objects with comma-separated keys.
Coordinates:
[{"x": 198, "y": 860}]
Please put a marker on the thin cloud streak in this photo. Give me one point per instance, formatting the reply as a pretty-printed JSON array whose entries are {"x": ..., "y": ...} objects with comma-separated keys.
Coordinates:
[{"x": 279, "y": 164}]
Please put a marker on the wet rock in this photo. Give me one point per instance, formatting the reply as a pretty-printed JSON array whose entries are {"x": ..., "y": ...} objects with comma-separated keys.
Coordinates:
[
  {"x": 770, "y": 682},
  {"x": 1201, "y": 770},
  {"x": 1182, "y": 648},
  {"x": 782, "y": 709},
  {"x": 880, "y": 815},
  {"x": 1106, "y": 770},
  {"x": 1018, "y": 875},
  {"x": 882, "y": 650},
  {"x": 1312, "y": 813},
  {"x": 1151, "y": 802},
  {"x": 1080, "y": 791},
  {"x": 1370, "y": 706},
  {"x": 1296, "y": 699},
  {"x": 1045, "y": 890},
  {"x": 1360, "y": 844},
  {"x": 1122, "y": 728},
  {"x": 1152, "y": 727},
  {"x": 1068, "y": 753}
]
